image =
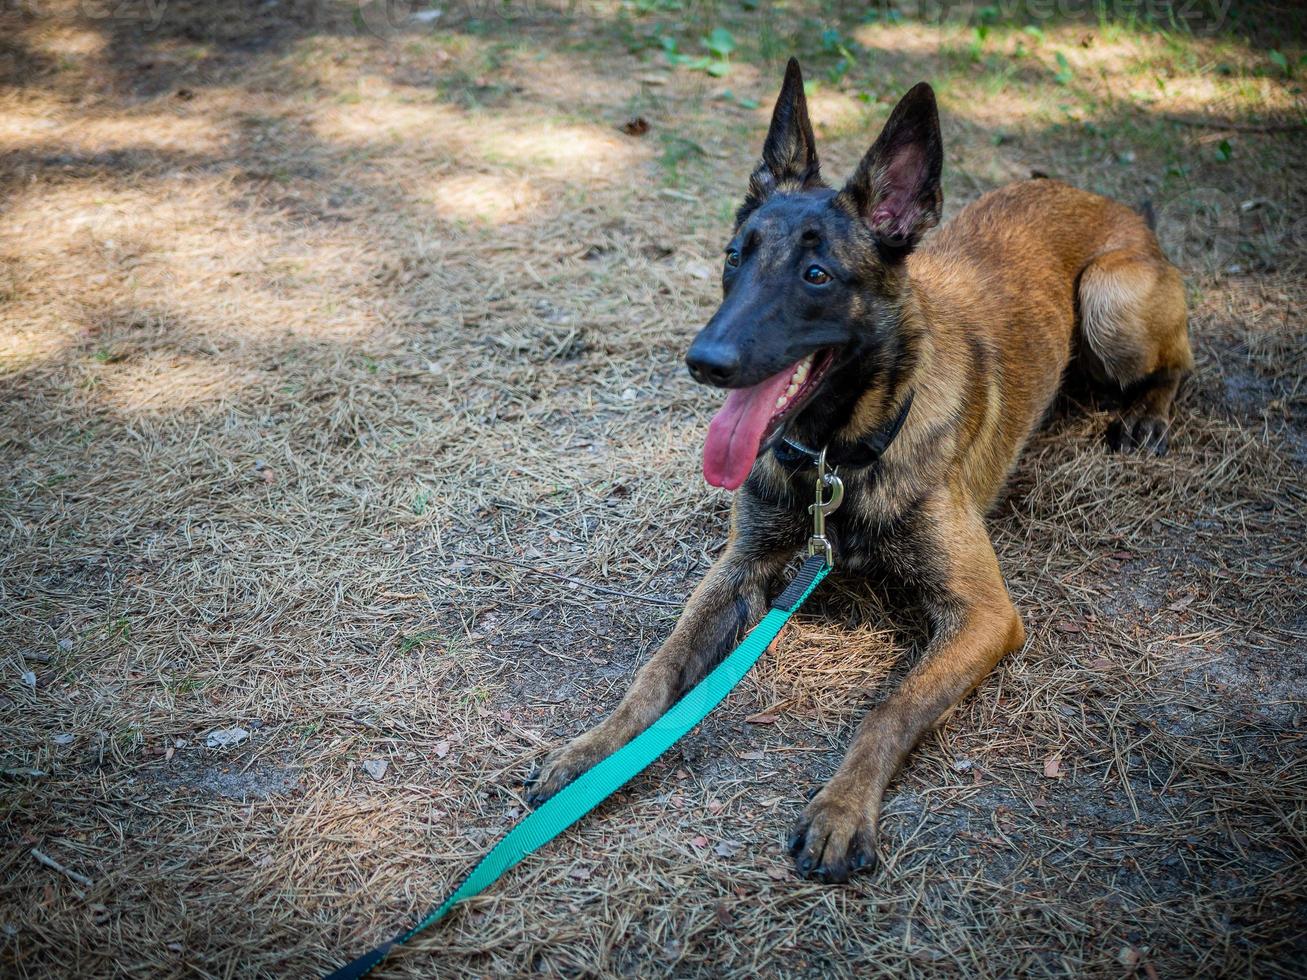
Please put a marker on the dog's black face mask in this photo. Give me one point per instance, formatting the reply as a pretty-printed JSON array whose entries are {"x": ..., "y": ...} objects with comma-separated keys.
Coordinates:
[{"x": 811, "y": 281}]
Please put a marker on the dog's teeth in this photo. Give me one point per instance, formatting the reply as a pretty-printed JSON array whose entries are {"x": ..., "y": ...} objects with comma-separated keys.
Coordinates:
[
  {"x": 799, "y": 376},
  {"x": 780, "y": 402}
]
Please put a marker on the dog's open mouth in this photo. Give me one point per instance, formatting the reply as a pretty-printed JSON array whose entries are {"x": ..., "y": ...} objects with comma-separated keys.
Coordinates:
[{"x": 750, "y": 415}]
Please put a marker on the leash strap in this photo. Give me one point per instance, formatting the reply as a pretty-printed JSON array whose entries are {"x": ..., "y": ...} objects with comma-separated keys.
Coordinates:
[{"x": 592, "y": 787}]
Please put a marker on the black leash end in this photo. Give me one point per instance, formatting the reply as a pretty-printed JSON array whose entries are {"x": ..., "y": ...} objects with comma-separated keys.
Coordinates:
[
  {"x": 800, "y": 584},
  {"x": 363, "y": 965}
]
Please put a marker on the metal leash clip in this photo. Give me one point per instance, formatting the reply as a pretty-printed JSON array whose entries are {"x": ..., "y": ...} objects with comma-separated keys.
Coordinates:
[{"x": 821, "y": 509}]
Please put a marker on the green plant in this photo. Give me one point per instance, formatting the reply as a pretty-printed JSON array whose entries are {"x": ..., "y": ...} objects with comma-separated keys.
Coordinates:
[
  {"x": 744, "y": 102},
  {"x": 409, "y": 643},
  {"x": 888, "y": 16},
  {"x": 644, "y": 7},
  {"x": 833, "y": 42},
  {"x": 1064, "y": 72},
  {"x": 721, "y": 44}
]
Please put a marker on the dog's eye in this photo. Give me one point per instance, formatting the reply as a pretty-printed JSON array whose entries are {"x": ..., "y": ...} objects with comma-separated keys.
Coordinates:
[
  {"x": 816, "y": 275},
  {"x": 732, "y": 258}
]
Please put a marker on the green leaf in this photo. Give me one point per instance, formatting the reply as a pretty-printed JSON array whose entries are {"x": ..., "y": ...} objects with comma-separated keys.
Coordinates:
[
  {"x": 720, "y": 42},
  {"x": 1279, "y": 60},
  {"x": 718, "y": 69},
  {"x": 1064, "y": 70},
  {"x": 693, "y": 64},
  {"x": 1224, "y": 150}
]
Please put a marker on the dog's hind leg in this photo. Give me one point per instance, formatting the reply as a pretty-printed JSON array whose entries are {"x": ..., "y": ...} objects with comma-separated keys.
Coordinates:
[{"x": 1134, "y": 334}]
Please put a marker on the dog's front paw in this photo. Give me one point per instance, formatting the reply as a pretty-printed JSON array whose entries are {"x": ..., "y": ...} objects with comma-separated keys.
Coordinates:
[
  {"x": 835, "y": 836},
  {"x": 1139, "y": 432},
  {"x": 560, "y": 767}
]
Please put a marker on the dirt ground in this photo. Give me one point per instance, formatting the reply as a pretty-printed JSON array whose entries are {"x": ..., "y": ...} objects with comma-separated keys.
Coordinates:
[{"x": 342, "y": 403}]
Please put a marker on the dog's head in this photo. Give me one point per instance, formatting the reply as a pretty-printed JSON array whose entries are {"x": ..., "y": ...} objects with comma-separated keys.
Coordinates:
[{"x": 811, "y": 280}]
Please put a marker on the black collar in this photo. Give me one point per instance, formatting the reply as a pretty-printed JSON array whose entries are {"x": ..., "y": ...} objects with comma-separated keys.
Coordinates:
[{"x": 864, "y": 452}]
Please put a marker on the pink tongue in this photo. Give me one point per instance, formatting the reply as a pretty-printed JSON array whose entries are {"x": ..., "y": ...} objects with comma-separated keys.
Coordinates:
[{"x": 737, "y": 429}]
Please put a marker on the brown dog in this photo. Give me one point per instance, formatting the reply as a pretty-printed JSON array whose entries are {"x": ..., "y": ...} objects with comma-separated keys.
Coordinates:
[{"x": 923, "y": 371}]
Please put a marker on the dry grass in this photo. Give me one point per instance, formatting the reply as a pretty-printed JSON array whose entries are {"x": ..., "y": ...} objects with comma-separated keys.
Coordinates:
[{"x": 297, "y": 323}]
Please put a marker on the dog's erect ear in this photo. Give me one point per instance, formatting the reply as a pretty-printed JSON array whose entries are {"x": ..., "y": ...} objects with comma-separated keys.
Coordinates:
[
  {"x": 896, "y": 186},
  {"x": 789, "y": 155}
]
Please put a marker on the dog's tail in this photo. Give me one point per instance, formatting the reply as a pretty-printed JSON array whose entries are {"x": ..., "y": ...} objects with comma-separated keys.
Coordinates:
[{"x": 1148, "y": 213}]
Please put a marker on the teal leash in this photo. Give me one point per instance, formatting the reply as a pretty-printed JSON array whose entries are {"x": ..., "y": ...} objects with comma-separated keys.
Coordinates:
[
  {"x": 592, "y": 787},
  {"x": 605, "y": 778}
]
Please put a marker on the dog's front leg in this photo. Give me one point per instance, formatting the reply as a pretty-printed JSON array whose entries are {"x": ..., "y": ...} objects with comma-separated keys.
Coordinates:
[
  {"x": 729, "y": 601},
  {"x": 974, "y": 624}
]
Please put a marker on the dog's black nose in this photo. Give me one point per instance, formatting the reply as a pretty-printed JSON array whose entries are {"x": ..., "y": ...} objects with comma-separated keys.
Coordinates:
[{"x": 713, "y": 364}]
